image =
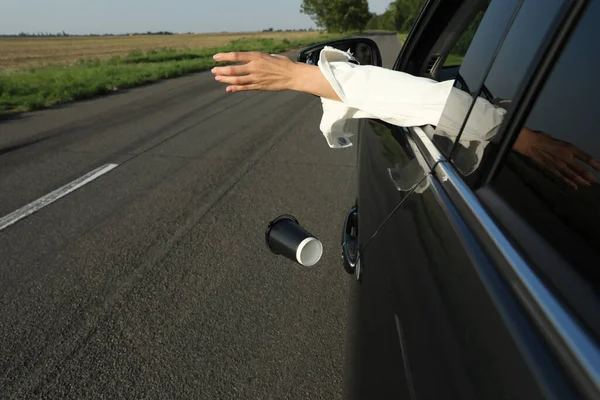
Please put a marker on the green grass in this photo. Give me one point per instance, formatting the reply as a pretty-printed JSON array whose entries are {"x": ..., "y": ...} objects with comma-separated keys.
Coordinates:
[
  {"x": 453, "y": 60},
  {"x": 402, "y": 37},
  {"x": 36, "y": 88}
]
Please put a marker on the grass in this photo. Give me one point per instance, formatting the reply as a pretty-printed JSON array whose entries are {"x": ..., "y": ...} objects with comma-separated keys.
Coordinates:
[
  {"x": 39, "y": 87},
  {"x": 402, "y": 37},
  {"x": 453, "y": 60},
  {"x": 39, "y": 51}
]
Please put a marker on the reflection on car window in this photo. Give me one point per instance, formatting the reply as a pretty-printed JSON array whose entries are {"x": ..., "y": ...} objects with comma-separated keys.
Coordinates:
[
  {"x": 513, "y": 62},
  {"x": 457, "y": 54},
  {"x": 404, "y": 169},
  {"x": 475, "y": 50},
  {"x": 552, "y": 181}
]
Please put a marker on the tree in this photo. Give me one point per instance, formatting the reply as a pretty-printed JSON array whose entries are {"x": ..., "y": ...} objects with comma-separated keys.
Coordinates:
[
  {"x": 399, "y": 16},
  {"x": 406, "y": 12},
  {"x": 463, "y": 43},
  {"x": 338, "y": 15},
  {"x": 385, "y": 21}
]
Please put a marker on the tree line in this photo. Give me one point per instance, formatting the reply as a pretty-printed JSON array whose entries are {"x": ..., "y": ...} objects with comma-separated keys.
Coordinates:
[
  {"x": 65, "y": 34},
  {"x": 288, "y": 30},
  {"x": 354, "y": 15},
  {"x": 399, "y": 16}
]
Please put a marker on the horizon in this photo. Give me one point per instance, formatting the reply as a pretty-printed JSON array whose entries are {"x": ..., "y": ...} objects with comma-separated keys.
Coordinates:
[
  {"x": 68, "y": 34},
  {"x": 123, "y": 17}
]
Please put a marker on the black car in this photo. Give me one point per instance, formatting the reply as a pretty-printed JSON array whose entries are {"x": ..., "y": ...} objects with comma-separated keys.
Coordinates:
[{"x": 478, "y": 265}]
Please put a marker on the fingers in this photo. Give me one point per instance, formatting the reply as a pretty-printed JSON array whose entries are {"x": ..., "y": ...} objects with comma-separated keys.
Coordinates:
[
  {"x": 583, "y": 156},
  {"x": 550, "y": 165},
  {"x": 238, "y": 88},
  {"x": 556, "y": 172},
  {"x": 235, "y": 80},
  {"x": 572, "y": 176},
  {"x": 245, "y": 56},
  {"x": 582, "y": 171},
  {"x": 580, "y": 154},
  {"x": 231, "y": 70}
]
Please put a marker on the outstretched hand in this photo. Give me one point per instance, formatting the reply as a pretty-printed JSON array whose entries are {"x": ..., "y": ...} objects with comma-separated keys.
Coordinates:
[
  {"x": 559, "y": 158},
  {"x": 260, "y": 71}
]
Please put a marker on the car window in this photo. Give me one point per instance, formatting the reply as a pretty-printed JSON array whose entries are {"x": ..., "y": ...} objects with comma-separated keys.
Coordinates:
[
  {"x": 457, "y": 54},
  {"x": 474, "y": 50},
  {"x": 552, "y": 180},
  {"x": 523, "y": 43}
]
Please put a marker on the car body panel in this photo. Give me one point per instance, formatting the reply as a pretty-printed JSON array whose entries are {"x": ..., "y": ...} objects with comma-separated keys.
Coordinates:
[
  {"x": 388, "y": 172},
  {"x": 442, "y": 305}
]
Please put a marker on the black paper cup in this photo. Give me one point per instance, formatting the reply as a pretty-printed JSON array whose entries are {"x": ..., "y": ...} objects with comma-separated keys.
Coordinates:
[{"x": 286, "y": 237}]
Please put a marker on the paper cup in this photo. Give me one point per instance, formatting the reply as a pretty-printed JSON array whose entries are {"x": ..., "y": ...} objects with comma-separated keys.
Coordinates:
[{"x": 286, "y": 237}]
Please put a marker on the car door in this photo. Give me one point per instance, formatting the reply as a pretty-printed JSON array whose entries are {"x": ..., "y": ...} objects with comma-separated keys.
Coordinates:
[
  {"x": 388, "y": 167},
  {"x": 391, "y": 169},
  {"x": 439, "y": 306}
]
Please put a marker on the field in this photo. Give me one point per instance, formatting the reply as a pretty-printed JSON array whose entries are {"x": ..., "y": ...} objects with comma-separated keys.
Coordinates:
[
  {"x": 453, "y": 60},
  {"x": 40, "y": 72},
  {"x": 35, "y": 52}
]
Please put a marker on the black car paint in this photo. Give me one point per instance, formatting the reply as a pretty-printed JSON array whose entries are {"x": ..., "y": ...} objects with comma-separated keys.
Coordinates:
[
  {"x": 449, "y": 309},
  {"x": 450, "y": 323},
  {"x": 437, "y": 313},
  {"x": 457, "y": 330}
]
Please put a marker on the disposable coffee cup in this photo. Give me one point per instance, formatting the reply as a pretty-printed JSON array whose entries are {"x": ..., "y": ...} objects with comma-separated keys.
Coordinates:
[{"x": 286, "y": 237}]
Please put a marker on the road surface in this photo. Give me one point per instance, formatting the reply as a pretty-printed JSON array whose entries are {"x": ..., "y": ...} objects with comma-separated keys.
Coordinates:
[{"x": 149, "y": 278}]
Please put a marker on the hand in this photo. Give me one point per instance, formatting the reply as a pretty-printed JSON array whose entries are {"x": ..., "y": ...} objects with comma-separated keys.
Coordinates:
[
  {"x": 260, "y": 72},
  {"x": 271, "y": 73},
  {"x": 559, "y": 158}
]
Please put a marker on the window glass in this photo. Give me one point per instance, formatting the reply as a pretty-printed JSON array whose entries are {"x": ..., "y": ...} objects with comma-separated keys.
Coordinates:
[
  {"x": 551, "y": 178},
  {"x": 475, "y": 50},
  {"x": 488, "y": 35},
  {"x": 457, "y": 54},
  {"x": 523, "y": 43}
]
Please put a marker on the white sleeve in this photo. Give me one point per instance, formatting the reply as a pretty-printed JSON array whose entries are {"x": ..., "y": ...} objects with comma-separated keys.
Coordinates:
[
  {"x": 400, "y": 99},
  {"x": 482, "y": 125},
  {"x": 483, "y": 121},
  {"x": 373, "y": 92}
]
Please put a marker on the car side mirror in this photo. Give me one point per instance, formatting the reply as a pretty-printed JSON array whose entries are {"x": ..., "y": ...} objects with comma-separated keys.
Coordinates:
[{"x": 364, "y": 50}]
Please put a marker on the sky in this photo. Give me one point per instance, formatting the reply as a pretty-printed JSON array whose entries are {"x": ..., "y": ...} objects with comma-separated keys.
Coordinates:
[{"x": 123, "y": 16}]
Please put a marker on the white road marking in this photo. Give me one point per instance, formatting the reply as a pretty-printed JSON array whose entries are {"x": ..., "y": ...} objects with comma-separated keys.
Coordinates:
[{"x": 53, "y": 196}]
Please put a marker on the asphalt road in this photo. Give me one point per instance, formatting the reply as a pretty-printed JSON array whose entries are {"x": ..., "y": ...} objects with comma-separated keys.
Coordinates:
[{"x": 153, "y": 280}]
